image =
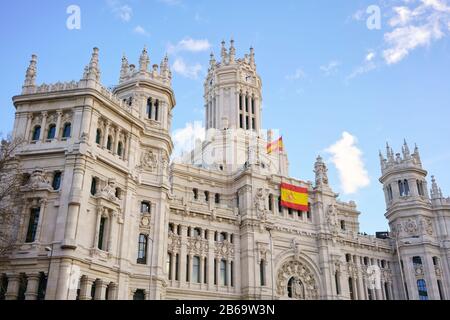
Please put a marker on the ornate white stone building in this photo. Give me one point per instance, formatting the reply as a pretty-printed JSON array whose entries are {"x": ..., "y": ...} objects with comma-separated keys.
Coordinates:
[{"x": 105, "y": 213}]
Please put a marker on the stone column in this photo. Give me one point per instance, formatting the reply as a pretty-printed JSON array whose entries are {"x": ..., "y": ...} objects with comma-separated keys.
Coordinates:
[
  {"x": 100, "y": 289},
  {"x": 43, "y": 207},
  {"x": 58, "y": 124},
  {"x": 211, "y": 260},
  {"x": 217, "y": 270},
  {"x": 173, "y": 266},
  {"x": 106, "y": 134},
  {"x": 430, "y": 277},
  {"x": 112, "y": 231},
  {"x": 116, "y": 140},
  {"x": 12, "y": 292},
  {"x": 62, "y": 289},
  {"x": 86, "y": 287},
  {"x": 112, "y": 292},
  {"x": 97, "y": 227},
  {"x": 42, "y": 137},
  {"x": 191, "y": 258},
  {"x": 27, "y": 133},
  {"x": 183, "y": 255},
  {"x": 32, "y": 286}
]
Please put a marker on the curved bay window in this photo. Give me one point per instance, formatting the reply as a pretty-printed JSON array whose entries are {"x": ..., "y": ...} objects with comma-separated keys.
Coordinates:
[{"x": 142, "y": 249}]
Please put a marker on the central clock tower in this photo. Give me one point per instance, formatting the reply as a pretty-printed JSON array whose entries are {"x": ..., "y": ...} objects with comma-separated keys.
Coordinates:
[{"x": 233, "y": 92}]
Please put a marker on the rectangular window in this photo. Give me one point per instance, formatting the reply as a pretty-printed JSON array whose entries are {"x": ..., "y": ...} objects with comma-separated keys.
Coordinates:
[
  {"x": 196, "y": 269},
  {"x": 93, "y": 186},
  {"x": 187, "y": 268},
  {"x": 338, "y": 285},
  {"x": 142, "y": 249},
  {"x": 241, "y": 122},
  {"x": 101, "y": 233},
  {"x": 350, "y": 287},
  {"x": 205, "y": 270},
  {"x": 215, "y": 271},
  {"x": 231, "y": 273},
  {"x": 422, "y": 288},
  {"x": 33, "y": 224},
  {"x": 145, "y": 207},
  {"x": 223, "y": 273},
  {"x": 169, "y": 265},
  {"x": 253, "y": 123},
  {"x": 177, "y": 263},
  {"x": 262, "y": 273},
  {"x": 441, "y": 293},
  {"x": 247, "y": 123}
]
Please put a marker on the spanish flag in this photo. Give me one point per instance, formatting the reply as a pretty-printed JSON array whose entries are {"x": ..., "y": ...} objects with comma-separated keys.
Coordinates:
[
  {"x": 294, "y": 197},
  {"x": 276, "y": 145}
]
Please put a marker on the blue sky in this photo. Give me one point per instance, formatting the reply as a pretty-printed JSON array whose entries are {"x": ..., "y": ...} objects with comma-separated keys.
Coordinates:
[{"x": 325, "y": 74}]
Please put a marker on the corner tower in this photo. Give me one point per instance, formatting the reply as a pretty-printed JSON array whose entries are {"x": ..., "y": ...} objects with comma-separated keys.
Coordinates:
[{"x": 233, "y": 92}]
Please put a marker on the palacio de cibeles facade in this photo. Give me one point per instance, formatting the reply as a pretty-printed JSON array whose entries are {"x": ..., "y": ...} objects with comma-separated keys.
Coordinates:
[{"x": 105, "y": 213}]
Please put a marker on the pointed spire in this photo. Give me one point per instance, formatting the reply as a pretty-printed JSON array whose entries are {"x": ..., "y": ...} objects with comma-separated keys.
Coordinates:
[
  {"x": 405, "y": 149},
  {"x": 232, "y": 51},
  {"x": 93, "y": 71},
  {"x": 124, "y": 69},
  {"x": 320, "y": 170},
  {"x": 144, "y": 60},
  {"x": 389, "y": 153},
  {"x": 30, "y": 76},
  {"x": 417, "y": 155},
  {"x": 223, "y": 53},
  {"x": 164, "y": 69},
  {"x": 382, "y": 160},
  {"x": 435, "y": 190},
  {"x": 212, "y": 60}
]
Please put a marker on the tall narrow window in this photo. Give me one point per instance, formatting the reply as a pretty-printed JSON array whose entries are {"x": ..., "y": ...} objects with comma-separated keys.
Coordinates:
[
  {"x": 280, "y": 207},
  {"x": 270, "y": 202},
  {"x": 195, "y": 191},
  {"x": 337, "y": 282},
  {"x": 145, "y": 207},
  {"x": 109, "y": 143},
  {"x": 142, "y": 249},
  {"x": 36, "y": 133},
  {"x": 205, "y": 270},
  {"x": 98, "y": 137},
  {"x": 139, "y": 294},
  {"x": 308, "y": 213},
  {"x": 262, "y": 273},
  {"x": 420, "y": 188},
  {"x": 42, "y": 286},
  {"x": 240, "y": 101},
  {"x": 422, "y": 288},
  {"x": 196, "y": 269},
  {"x": 157, "y": 110},
  {"x": 247, "y": 123},
  {"x": 177, "y": 263},
  {"x": 215, "y": 271},
  {"x": 93, "y": 186},
  {"x": 343, "y": 225},
  {"x": 406, "y": 186},
  {"x": 231, "y": 273},
  {"x": 32, "y": 225},
  {"x": 67, "y": 130},
  {"x": 253, "y": 105},
  {"x": 241, "y": 122},
  {"x": 401, "y": 189},
  {"x": 223, "y": 273},
  {"x": 350, "y": 287},
  {"x": 290, "y": 287},
  {"x": 386, "y": 291},
  {"x": 101, "y": 233},
  {"x": 149, "y": 107},
  {"x": 206, "y": 196},
  {"x": 389, "y": 192},
  {"x": 23, "y": 284},
  {"x": 188, "y": 275},
  {"x": 441, "y": 292},
  {"x": 56, "y": 184},
  {"x": 169, "y": 265},
  {"x": 120, "y": 149},
  {"x": 51, "y": 132},
  {"x": 217, "y": 198},
  {"x": 3, "y": 286}
]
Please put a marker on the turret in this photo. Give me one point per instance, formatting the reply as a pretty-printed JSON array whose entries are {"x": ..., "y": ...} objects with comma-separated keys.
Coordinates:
[{"x": 92, "y": 71}]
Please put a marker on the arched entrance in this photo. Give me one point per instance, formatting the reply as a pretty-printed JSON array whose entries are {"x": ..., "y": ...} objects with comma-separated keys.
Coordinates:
[{"x": 296, "y": 281}]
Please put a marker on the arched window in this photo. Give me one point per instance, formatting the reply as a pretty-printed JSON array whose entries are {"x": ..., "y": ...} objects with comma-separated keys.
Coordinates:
[
  {"x": 93, "y": 186},
  {"x": 389, "y": 192},
  {"x": 51, "y": 132},
  {"x": 36, "y": 133},
  {"x": 207, "y": 196},
  {"x": 422, "y": 288},
  {"x": 142, "y": 249},
  {"x": 290, "y": 287},
  {"x": 109, "y": 143},
  {"x": 406, "y": 186},
  {"x": 420, "y": 188},
  {"x": 217, "y": 198},
  {"x": 56, "y": 184},
  {"x": 67, "y": 130},
  {"x": 343, "y": 225},
  {"x": 120, "y": 149},
  {"x": 197, "y": 232},
  {"x": 222, "y": 236},
  {"x": 195, "y": 191},
  {"x": 98, "y": 137},
  {"x": 139, "y": 294},
  {"x": 401, "y": 188}
]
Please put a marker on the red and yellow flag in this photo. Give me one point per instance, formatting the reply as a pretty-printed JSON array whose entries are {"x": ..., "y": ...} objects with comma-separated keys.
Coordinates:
[
  {"x": 276, "y": 145},
  {"x": 294, "y": 197}
]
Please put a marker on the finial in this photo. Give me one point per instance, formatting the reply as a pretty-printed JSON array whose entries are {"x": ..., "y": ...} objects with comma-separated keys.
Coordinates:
[
  {"x": 232, "y": 51},
  {"x": 144, "y": 60},
  {"x": 124, "y": 69},
  {"x": 223, "y": 53},
  {"x": 30, "y": 75},
  {"x": 93, "y": 70},
  {"x": 252, "y": 56}
]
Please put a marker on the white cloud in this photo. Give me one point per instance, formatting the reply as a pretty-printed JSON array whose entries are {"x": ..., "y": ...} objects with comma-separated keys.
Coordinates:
[
  {"x": 359, "y": 15},
  {"x": 330, "y": 68},
  {"x": 184, "y": 139},
  {"x": 122, "y": 11},
  {"x": 190, "y": 45},
  {"x": 415, "y": 26},
  {"x": 367, "y": 65},
  {"x": 140, "y": 30},
  {"x": 188, "y": 71},
  {"x": 370, "y": 56},
  {"x": 299, "y": 74},
  {"x": 347, "y": 158}
]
